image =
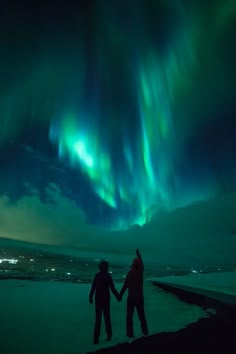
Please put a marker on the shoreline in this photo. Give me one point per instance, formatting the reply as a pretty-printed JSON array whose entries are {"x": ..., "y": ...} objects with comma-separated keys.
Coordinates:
[{"x": 212, "y": 335}]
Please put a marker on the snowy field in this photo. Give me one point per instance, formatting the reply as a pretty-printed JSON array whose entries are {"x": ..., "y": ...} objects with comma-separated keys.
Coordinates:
[
  {"x": 220, "y": 286},
  {"x": 56, "y": 317}
]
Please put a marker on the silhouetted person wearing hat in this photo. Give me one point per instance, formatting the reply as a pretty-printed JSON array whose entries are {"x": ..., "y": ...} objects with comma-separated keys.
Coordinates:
[
  {"x": 134, "y": 284},
  {"x": 101, "y": 286}
]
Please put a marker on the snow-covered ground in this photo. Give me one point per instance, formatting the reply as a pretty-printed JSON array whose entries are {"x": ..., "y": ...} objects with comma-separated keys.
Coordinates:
[
  {"x": 220, "y": 285},
  {"x": 56, "y": 317}
]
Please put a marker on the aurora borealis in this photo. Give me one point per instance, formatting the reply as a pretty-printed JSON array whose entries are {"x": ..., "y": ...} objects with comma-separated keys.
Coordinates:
[{"x": 126, "y": 107}]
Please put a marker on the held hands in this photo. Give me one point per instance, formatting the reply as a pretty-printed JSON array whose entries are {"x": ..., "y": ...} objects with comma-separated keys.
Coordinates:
[{"x": 119, "y": 298}]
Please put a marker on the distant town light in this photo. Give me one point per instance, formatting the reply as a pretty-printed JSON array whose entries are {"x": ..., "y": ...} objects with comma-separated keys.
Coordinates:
[
  {"x": 53, "y": 269},
  {"x": 194, "y": 271},
  {"x": 68, "y": 273},
  {"x": 7, "y": 260},
  {"x": 31, "y": 260}
]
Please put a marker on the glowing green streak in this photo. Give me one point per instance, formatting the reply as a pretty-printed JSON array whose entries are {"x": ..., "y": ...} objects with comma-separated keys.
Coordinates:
[
  {"x": 147, "y": 159},
  {"x": 161, "y": 80}
]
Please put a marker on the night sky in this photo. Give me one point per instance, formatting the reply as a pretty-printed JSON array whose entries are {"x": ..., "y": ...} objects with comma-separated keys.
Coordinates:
[{"x": 112, "y": 114}]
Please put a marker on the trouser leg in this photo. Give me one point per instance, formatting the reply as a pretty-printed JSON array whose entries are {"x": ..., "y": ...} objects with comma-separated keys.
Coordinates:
[
  {"x": 107, "y": 318},
  {"x": 129, "y": 317},
  {"x": 141, "y": 315},
  {"x": 97, "y": 328}
]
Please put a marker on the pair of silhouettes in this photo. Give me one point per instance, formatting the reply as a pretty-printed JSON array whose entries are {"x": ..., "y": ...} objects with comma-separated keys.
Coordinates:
[{"x": 103, "y": 283}]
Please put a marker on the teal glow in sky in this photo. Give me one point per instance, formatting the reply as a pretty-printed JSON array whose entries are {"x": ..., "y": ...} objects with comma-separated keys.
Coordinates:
[
  {"x": 129, "y": 118},
  {"x": 128, "y": 108}
]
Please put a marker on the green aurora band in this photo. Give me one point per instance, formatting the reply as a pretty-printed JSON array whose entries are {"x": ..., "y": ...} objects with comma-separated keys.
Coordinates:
[{"x": 138, "y": 86}]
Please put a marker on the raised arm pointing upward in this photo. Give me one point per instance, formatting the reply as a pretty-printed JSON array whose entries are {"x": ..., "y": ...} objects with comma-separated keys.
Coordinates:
[{"x": 134, "y": 284}]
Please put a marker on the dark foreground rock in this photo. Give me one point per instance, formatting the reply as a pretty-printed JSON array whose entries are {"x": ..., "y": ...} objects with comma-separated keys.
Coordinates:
[{"x": 214, "y": 335}]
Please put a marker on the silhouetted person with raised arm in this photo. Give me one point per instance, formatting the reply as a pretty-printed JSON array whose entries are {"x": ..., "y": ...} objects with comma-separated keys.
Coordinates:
[
  {"x": 101, "y": 286},
  {"x": 134, "y": 284}
]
